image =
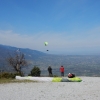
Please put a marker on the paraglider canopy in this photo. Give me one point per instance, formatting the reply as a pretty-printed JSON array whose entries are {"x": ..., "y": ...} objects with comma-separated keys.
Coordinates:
[{"x": 45, "y": 43}]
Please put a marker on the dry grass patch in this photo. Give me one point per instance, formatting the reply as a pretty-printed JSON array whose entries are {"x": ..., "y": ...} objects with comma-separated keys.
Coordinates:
[{"x": 3, "y": 80}]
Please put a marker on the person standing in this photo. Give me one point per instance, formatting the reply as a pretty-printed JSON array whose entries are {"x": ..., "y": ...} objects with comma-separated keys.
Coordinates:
[
  {"x": 50, "y": 71},
  {"x": 62, "y": 70}
]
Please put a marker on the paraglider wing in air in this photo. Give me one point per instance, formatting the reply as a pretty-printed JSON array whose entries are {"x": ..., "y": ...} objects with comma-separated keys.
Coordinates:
[{"x": 45, "y": 43}]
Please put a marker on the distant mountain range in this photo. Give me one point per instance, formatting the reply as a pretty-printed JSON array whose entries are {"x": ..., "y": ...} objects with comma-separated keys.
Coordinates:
[
  {"x": 83, "y": 65},
  {"x": 30, "y": 54}
]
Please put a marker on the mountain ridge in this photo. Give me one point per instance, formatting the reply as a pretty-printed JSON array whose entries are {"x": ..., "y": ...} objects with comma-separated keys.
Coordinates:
[{"x": 82, "y": 65}]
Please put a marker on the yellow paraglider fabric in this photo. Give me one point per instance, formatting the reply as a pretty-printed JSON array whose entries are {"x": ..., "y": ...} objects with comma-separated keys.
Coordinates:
[
  {"x": 75, "y": 79},
  {"x": 45, "y": 43},
  {"x": 56, "y": 79}
]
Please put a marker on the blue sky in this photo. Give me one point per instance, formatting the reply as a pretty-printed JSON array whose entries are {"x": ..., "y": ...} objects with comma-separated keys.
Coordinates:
[{"x": 69, "y": 26}]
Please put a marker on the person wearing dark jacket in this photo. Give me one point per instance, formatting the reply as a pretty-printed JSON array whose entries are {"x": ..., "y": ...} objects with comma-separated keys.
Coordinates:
[{"x": 50, "y": 70}]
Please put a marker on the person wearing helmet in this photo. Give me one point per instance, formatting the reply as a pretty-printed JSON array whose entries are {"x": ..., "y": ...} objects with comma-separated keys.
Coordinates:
[{"x": 70, "y": 75}]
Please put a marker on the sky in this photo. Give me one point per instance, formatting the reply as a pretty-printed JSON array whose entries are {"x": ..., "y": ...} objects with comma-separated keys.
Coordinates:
[{"x": 70, "y": 27}]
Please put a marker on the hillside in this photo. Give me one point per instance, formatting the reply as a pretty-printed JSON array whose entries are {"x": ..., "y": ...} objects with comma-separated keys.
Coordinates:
[
  {"x": 30, "y": 55},
  {"x": 82, "y": 65}
]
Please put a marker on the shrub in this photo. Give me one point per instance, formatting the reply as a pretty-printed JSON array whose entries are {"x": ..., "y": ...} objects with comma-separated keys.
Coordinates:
[
  {"x": 35, "y": 71},
  {"x": 5, "y": 75},
  {"x": 8, "y": 75},
  {"x": 13, "y": 75}
]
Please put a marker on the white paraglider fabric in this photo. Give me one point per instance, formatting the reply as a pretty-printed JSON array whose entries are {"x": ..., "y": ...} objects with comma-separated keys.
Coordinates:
[{"x": 48, "y": 79}]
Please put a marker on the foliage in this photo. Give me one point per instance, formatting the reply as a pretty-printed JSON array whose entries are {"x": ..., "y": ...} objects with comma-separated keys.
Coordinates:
[
  {"x": 17, "y": 61},
  {"x": 35, "y": 71},
  {"x": 8, "y": 75}
]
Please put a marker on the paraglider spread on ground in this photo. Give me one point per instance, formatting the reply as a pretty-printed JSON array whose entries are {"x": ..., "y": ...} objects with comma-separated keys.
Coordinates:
[{"x": 50, "y": 79}]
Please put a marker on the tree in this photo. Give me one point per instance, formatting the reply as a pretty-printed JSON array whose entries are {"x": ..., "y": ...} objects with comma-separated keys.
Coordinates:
[
  {"x": 35, "y": 71},
  {"x": 17, "y": 61}
]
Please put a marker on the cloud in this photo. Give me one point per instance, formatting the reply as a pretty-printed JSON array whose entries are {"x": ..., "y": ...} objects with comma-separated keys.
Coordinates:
[{"x": 57, "y": 41}]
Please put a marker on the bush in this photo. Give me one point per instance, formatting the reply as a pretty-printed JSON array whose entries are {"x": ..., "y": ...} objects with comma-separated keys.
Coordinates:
[
  {"x": 35, "y": 71},
  {"x": 8, "y": 75},
  {"x": 4, "y": 75},
  {"x": 13, "y": 75}
]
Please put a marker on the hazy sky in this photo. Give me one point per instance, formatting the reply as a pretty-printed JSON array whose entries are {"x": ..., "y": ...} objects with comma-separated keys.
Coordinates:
[{"x": 69, "y": 26}]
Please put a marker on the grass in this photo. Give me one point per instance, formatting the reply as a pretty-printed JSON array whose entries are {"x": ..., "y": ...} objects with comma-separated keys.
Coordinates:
[{"x": 4, "y": 81}]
